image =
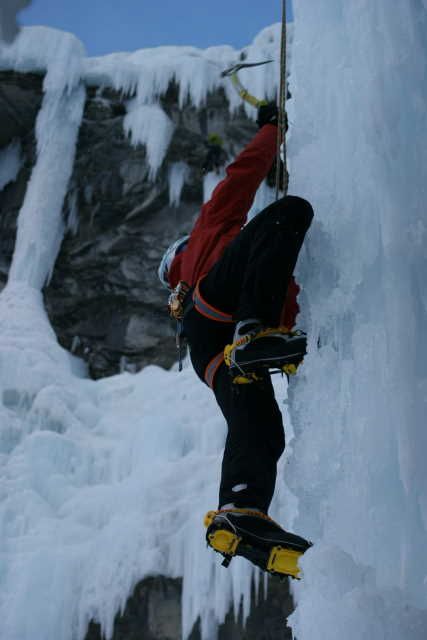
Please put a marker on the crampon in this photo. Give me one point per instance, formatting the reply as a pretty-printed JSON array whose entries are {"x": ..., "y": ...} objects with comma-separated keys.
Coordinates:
[
  {"x": 268, "y": 350},
  {"x": 256, "y": 537}
]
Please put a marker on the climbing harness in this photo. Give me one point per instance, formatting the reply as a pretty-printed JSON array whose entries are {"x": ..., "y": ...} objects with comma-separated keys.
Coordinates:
[
  {"x": 207, "y": 310},
  {"x": 177, "y": 311},
  {"x": 212, "y": 367},
  {"x": 176, "y": 300}
]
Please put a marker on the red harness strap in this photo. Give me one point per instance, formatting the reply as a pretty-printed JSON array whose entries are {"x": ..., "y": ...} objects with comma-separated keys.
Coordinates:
[
  {"x": 212, "y": 368},
  {"x": 208, "y": 310}
]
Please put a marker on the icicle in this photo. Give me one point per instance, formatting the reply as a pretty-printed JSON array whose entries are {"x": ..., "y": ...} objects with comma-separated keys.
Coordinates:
[
  {"x": 40, "y": 223},
  {"x": 73, "y": 212},
  {"x": 10, "y": 163},
  {"x": 178, "y": 173},
  {"x": 149, "y": 125},
  {"x": 210, "y": 181}
]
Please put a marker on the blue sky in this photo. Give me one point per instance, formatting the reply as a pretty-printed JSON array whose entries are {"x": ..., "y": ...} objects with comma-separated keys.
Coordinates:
[{"x": 126, "y": 25}]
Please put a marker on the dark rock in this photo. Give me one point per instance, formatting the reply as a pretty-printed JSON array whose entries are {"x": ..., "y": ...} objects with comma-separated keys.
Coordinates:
[
  {"x": 153, "y": 612},
  {"x": 20, "y": 99}
]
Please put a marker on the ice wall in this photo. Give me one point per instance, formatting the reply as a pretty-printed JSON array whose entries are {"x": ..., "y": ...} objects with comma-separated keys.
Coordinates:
[{"x": 357, "y": 466}]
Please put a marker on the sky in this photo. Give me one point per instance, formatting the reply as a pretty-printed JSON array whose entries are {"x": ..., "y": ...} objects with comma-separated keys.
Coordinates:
[{"x": 125, "y": 25}]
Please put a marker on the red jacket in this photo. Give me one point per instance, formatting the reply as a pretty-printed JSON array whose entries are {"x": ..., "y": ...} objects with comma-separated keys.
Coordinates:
[{"x": 223, "y": 216}]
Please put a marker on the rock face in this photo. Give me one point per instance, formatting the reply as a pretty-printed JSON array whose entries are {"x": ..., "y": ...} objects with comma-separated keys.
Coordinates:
[
  {"x": 154, "y": 613},
  {"x": 104, "y": 299}
]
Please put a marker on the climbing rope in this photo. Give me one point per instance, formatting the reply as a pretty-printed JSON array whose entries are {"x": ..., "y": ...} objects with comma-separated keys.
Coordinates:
[{"x": 281, "y": 174}]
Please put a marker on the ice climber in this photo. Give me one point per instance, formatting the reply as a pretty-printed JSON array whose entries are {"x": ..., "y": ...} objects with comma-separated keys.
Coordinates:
[{"x": 233, "y": 291}]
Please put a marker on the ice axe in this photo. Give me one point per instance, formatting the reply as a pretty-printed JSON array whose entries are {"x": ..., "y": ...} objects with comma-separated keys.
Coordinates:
[{"x": 244, "y": 93}]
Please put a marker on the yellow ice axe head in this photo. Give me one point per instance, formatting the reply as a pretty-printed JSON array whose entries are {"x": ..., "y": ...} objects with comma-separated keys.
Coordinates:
[{"x": 243, "y": 93}]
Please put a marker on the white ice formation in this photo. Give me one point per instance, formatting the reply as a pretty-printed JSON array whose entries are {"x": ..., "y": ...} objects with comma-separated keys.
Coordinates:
[
  {"x": 178, "y": 174},
  {"x": 357, "y": 465}
]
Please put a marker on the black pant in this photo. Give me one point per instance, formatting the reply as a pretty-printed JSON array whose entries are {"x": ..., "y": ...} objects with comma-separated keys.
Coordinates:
[
  {"x": 251, "y": 278},
  {"x": 250, "y": 281}
]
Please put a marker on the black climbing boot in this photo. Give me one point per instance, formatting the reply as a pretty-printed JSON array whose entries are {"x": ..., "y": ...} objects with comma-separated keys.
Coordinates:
[
  {"x": 256, "y": 537},
  {"x": 263, "y": 349}
]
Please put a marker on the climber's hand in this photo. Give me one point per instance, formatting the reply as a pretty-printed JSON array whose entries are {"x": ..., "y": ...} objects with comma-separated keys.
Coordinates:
[{"x": 268, "y": 114}]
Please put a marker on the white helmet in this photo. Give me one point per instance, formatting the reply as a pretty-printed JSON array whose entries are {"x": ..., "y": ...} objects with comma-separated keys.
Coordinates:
[{"x": 168, "y": 256}]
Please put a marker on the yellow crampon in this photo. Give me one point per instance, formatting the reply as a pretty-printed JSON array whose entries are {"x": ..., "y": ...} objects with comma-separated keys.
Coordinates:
[
  {"x": 285, "y": 561},
  {"x": 280, "y": 560},
  {"x": 223, "y": 540},
  {"x": 289, "y": 369}
]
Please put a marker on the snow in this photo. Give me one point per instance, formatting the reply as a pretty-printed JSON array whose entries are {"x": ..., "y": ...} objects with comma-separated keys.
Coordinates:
[
  {"x": 10, "y": 163},
  {"x": 357, "y": 465}
]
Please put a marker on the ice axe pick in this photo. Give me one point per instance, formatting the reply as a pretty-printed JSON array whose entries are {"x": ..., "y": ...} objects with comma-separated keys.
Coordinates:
[{"x": 232, "y": 73}]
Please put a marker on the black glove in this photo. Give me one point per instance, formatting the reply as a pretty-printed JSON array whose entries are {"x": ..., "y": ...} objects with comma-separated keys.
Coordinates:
[{"x": 267, "y": 114}]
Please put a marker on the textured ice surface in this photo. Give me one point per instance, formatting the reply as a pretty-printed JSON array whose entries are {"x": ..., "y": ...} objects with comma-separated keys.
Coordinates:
[{"x": 357, "y": 466}]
